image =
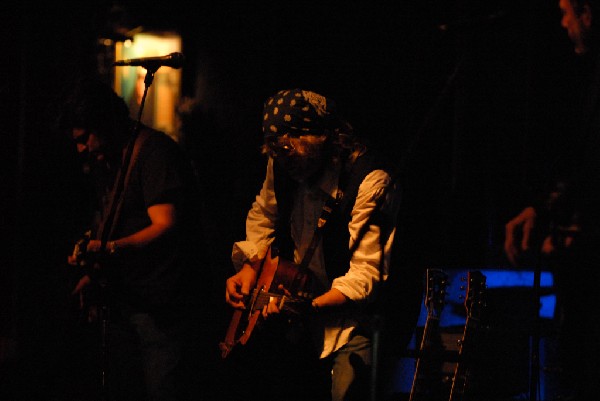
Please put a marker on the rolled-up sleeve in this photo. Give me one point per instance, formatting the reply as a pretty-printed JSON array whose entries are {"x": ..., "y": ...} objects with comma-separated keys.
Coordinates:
[
  {"x": 360, "y": 281},
  {"x": 260, "y": 224}
]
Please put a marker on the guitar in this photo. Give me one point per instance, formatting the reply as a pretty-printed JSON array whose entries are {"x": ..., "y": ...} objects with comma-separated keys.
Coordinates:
[
  {"x": 79, "y": 256},
  {"x": 90, "y": 262},
  {"x": 474, "y": 305},
  {"x": 437, "y": 281},
  {"x": 274, "y": 273}
]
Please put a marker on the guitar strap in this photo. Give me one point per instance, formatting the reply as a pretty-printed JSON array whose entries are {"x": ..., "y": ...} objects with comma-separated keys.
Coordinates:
[
  {"x": 115, "y": 201},
  {"x": 328, "y": 207}
]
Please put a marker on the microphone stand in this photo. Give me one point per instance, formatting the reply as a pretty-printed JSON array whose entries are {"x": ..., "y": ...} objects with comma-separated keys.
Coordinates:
[
  {"x": 119, "y": 187},
  {"x": 536, "y": 331},
  {"x": 535, "y": 334}
]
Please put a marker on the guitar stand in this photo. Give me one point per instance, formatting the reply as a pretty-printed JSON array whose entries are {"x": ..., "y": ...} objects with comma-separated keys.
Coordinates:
[{"x": 536, "y": 334}]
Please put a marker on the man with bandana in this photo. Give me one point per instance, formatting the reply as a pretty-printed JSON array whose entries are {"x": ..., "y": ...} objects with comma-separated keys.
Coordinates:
[
  {"x": 565, "y": 222},
  {"x": 322, "y": 182}
]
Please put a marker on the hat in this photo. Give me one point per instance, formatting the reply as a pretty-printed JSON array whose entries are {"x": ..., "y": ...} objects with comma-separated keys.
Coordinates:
[{"x": 299, "y": 112}]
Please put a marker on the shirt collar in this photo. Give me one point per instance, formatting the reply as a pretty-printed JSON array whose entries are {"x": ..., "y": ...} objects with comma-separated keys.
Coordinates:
[{"x": 329, "y": 180}]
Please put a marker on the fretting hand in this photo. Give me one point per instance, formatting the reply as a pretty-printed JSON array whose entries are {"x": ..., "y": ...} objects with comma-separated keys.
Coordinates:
[{"x": 525, "y": 222}]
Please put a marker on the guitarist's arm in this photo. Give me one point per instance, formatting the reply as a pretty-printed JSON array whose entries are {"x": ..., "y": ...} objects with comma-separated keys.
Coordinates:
[
  {"x": 163, "y": 220},
  {"x": 247, "y": 255},
  {"x": 521, "y": 225},
  {"x": 331, "y": 298},
  {"x": 553, "y": 222}
]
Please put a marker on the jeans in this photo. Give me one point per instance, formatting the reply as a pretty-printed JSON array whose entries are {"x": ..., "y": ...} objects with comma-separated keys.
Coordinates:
[
  {"x": 270, "y": 368},
  {"x": 351, "y": 371},
  {"x": 145, "y": 355}
]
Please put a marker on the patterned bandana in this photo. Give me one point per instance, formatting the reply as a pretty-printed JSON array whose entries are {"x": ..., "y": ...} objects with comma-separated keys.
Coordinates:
[{"x": 298, "y": 112}]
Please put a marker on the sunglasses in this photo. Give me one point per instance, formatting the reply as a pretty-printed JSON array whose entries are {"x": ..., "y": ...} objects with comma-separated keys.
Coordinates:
[
  {"x": 278, "y": 148},
  {"x": 82, "y": 139}
]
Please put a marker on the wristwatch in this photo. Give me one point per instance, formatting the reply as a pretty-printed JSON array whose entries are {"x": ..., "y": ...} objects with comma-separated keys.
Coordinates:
[{"x": 111, "y": 247}]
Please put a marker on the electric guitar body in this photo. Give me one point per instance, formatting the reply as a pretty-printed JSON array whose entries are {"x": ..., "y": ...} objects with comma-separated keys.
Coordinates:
[{"x": 274, "y": 273}]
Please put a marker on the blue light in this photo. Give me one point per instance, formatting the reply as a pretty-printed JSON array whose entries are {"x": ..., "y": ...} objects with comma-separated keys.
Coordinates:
[
  {"x": 508, "y": 278},
  {"x": 454, "y": 314},
  {"x": 548, "y": 303}
]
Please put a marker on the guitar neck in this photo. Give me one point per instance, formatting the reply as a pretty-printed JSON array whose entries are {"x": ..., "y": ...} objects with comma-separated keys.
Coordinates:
[
  {"x": 425, "y": 351},
  {"x": 434, "y": 301},
  {"x": 474, "y": 304},
  {"x": 432, "y": 325},
  {"x": 461, "y": 374}
]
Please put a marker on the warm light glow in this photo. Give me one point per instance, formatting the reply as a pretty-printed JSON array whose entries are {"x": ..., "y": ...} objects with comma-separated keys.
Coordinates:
[{"x": 163, "y": 95}]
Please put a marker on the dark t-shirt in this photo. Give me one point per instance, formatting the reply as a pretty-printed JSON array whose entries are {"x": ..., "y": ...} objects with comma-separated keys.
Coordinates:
[{"x": 162, "y": 273}]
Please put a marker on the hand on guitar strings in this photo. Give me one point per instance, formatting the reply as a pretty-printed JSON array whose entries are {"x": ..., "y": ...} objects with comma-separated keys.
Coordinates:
[
  {"x": 274, "y": 304},
  {"x": 84, "y": 247},
  {"x": 560, "y": 237},
  {"x": 238, "y": 286},
  {"x": 238, "y": 290}
]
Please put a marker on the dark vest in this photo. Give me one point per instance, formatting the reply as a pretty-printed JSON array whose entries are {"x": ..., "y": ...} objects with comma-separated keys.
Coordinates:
[
  {"x": 400, "y": 299},
  {"x": 335, "y": 234}
]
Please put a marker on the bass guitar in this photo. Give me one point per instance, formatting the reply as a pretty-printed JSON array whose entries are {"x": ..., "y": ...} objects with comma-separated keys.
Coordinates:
[
  {"x": 474, "y": 305},
  {"x": 274, "y": 274},
  {"x": 437, "y": 282}
]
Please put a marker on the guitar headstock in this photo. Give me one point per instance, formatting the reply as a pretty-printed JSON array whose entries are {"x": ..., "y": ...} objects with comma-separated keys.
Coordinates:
[
  {"x": 474, "y": 299},
  {"x": 437, "y": 282}
]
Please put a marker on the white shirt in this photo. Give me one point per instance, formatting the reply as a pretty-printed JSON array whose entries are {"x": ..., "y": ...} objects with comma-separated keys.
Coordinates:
[{"x": 359, "y": 283}]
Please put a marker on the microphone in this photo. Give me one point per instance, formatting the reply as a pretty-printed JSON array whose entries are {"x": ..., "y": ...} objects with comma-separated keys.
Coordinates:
[{"x": 173, "y": 60}]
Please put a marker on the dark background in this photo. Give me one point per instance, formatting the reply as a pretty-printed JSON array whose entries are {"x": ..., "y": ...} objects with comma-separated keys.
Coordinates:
[{"x": 472, "y": 99}]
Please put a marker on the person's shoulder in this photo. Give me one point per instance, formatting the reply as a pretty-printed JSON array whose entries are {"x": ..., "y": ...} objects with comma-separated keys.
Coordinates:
[
  {"x": 156, "y": 135},
  {"x": 373, "y": 159},
  {"x": 156, "y": 140}
]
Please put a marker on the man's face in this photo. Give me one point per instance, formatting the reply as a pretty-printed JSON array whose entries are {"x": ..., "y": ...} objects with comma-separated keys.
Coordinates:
[
  {"x": 577, "y": 23},
  {"x": 301, "y": 157},
  {"x": 89, "y": 143}
]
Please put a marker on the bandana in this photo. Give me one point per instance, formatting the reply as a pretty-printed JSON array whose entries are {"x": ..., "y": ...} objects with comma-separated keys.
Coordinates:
[{"x": 298, "y": 112}]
